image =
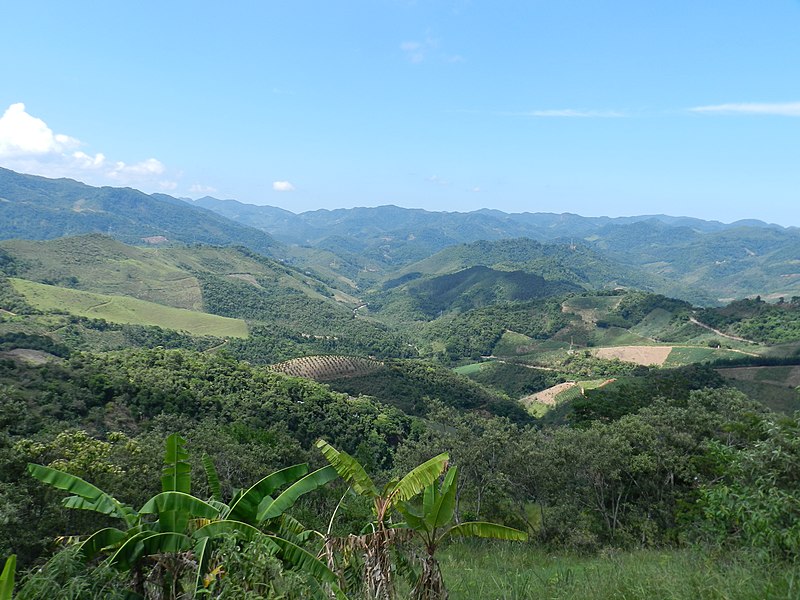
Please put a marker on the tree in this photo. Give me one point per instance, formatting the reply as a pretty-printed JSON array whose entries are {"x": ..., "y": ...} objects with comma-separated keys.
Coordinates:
[
  {"x": 173, "y": 533},
  {"x": 431, "y": 521},
  {"x": 377, "y": 543}
]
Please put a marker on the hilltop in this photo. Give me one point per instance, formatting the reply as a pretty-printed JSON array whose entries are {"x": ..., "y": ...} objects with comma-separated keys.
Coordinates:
[{"x": 39, "y": 208}]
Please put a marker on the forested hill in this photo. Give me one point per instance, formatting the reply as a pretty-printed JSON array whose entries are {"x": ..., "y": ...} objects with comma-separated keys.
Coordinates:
[
  {"x": 727, "y": 260},
  {"x": 577, "y": 264},
  {"x": 38, "y": 208}
]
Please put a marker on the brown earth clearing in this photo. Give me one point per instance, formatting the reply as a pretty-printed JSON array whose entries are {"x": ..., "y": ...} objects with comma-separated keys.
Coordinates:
[{"x": 641, "y": 355}]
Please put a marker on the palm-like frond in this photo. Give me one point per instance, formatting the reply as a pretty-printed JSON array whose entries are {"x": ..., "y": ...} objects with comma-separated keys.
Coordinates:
[
  {"x": 418, "y": 478},
  {"x": 483, "y": 529},
  {"x": 99, "y": 540},
  {"x": 7, "y": 578},
  {"x": 348, "y": 469},
  {"x": 177, "y": 474},
  {"x": 213, "y": 478},
  {"x": 269, "y": 509},
  {"x": 245, "y": 506},
  {"x": 443, "y": 508},
  {"x": 86, "y": 496},
  {"x": 174, "y": 509}
]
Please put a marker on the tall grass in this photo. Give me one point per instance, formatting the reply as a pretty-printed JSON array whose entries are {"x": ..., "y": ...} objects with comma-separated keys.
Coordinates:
[{"x": 513, "y": 572}]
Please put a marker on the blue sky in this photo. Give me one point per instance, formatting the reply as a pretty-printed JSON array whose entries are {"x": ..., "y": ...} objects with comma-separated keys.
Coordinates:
[{"x": 596, "y": 107}]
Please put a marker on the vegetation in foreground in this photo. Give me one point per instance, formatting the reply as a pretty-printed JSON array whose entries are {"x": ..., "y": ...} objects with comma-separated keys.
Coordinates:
[{"x": 503, "y": 572}]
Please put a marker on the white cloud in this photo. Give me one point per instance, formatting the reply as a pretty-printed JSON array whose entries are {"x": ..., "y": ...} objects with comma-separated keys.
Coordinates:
[
  {"x": 569, "y": 113},
  {"x": 202, "y": 189},
  {"x": 24, "y": 135},
  {"x": 282, "y": 186},
  {"x": 28, "y": 144},
  {"x": 784, "y": 109},
  {"x": 151, "y": 166}
]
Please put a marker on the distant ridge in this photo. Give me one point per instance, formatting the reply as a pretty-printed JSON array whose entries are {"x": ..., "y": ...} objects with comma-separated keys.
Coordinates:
[{"x": 39, "y": 208}]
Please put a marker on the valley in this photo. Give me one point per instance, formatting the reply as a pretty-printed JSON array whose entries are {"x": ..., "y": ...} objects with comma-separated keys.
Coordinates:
[{"x": 565, "y": 371}]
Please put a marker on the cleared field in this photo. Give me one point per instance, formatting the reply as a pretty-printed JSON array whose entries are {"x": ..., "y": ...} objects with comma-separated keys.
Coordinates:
[
  {"x": 470, "y": 368},
  {"x": 122, "y": 309},
  {"x": 641, "y": 355},
  {"x": 548, "y": 396},
  {"x": 684, "y": 355},
  {"x": 654, "y": 323},
  {"x": 617, "y": 336},
  {"x": 513, "y": 343},
  {"x": 517, "y": 344}
]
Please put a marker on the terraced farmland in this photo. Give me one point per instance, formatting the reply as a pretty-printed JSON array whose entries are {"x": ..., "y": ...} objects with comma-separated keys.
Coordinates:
[{"x": 327, "y": 367}]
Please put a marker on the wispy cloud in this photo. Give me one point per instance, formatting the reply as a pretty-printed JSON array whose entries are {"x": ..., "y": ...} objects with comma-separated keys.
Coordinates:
[
  {"x": 197, "y": 188},
  {"x": 282, "y": 186},
  {"x": 436, "y": 180},
  {"x": 781, "y": 109},
  {"x": 568, "y": 113},
  {"x": 29, "y": 145},
  {"x": 421, "y": 50},
  {"x": 417, "y": 51}
]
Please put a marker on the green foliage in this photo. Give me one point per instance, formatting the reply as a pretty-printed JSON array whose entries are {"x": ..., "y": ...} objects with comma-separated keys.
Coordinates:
[
  {"x": 7, "y": 578},
  {"x": 431, "y": 521},
  {"x": 412, "y": 385},
  {"x": 166, "y": 541},
  {"x": 752, "y": 498},
  {"x": 40, "y": 208},
  {"x": 464, "y": 290},
  {"x": 475, "y": 333},
  {"x": 497, "y": 570},
  {"x": 11, "y": 341},
  {"x": 514, "y": 379},
  {"x": 11, "y": 300},
  {"x": 630, "y": 394},
  {"x": 634, "y": 307},
  {"x": 126, "y": 310},
  {"x": 756, "y": 320}
]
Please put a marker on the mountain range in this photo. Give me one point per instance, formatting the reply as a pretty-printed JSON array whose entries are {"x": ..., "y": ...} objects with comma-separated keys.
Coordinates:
[{"x": 358, "y": 250}]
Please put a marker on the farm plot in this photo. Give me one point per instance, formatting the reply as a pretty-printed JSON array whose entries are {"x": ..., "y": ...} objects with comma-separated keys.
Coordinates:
[
  {"x": 123, "y": 309},
  {"x": 327, "y": 367},
  {"x": 641, "y": 355}
]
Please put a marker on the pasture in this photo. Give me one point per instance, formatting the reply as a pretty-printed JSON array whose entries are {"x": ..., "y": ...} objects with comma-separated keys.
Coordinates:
[{"x": 123, "y": 309}]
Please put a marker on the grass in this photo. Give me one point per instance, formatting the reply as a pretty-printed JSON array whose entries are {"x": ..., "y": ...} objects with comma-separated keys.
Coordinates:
[
  {"x": 470, "y": 368},
  {"x": 122, "y": 309},
  {"x": 776, "y": 397},
  {"x": 510, "y": 342},
  {"x": 654, "y": 323},
  {"x": 505, "y": 571},
  {"x": 617, "y": 336},
  {"x": 684, "y": 355},
  {"x": 601, "y": 303}
]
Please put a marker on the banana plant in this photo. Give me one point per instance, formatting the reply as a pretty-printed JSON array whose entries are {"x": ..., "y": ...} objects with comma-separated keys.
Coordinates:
[
  {"x": 431, "y": 521},
  {"x": 7, "y": 578},
  {"x": 175, "y": 531},
  {"x": 376, "y": 544}
]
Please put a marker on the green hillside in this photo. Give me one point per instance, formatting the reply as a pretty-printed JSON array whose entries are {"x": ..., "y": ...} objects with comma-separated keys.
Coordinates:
[
  {"x": 123, "y": 309},
  {"x": 418, "y": 297},
  {"x": 574, "y": 263}
]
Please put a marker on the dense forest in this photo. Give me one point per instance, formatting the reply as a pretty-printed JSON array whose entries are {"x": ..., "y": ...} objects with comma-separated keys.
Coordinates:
[{"x": 678, "y": 459}]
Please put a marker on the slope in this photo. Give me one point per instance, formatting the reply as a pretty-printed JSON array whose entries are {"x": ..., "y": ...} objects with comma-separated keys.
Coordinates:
[
  {"x": 122, "y": 309},
  {"x": 34, "y": 207}
]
